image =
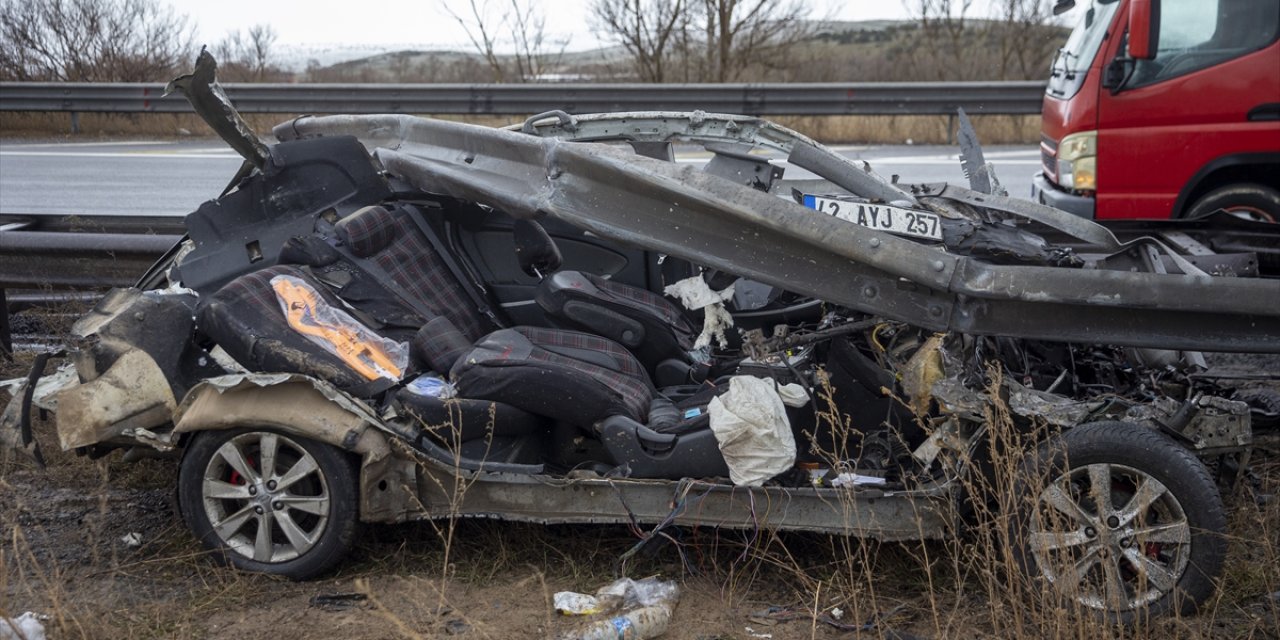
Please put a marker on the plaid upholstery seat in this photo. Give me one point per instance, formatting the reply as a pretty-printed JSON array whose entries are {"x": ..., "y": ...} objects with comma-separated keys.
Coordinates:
[
  {"x": 566, "y": 375},
  {"x": 653, "y": 328},
  {"x": 391, "y": 240},
  {"x": 245, "y": 319},
  {"x": 644, "y": 301}
]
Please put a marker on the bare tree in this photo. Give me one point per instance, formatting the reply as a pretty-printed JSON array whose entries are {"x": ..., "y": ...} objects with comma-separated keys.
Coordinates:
[
  {"x": 92, "y": 40},
  {"x": 941, "y": 51},
  {"x": 742, "y": 33},
  {"x": 706, "y": 40},
  {"x": 1025, "y": 34},
  {"x": 246, "y": 57},
  {"x": 518, "y": 24},
  {"x": 647, "y": 29}
]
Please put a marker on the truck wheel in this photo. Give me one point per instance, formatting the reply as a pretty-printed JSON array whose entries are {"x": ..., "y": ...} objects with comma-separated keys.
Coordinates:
[
  {"x": 1121, "y": 520},
  {"x": 268, "y": 502},
  {"x": 1252, "y": 201}
]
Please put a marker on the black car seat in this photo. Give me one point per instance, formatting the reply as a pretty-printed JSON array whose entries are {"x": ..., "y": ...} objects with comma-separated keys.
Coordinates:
[{"x": 654, "y": 329}]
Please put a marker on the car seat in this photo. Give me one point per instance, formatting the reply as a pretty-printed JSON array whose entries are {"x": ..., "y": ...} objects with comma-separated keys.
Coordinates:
[
  {"x": 650, "y": 326},
  {"x": 526, "y": 375}
]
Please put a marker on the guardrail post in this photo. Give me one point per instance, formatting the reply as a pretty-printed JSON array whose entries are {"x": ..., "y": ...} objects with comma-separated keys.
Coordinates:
[
  {"x": 75, "y": 122},
  {"x": 6, "y": 337}
]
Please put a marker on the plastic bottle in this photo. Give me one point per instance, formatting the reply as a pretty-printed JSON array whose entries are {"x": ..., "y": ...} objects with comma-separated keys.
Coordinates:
[{"x": 637, "y": 624}]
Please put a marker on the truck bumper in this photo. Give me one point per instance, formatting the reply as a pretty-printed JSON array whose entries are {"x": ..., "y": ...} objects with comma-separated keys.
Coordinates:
[{"x": 1045, "y": 192}]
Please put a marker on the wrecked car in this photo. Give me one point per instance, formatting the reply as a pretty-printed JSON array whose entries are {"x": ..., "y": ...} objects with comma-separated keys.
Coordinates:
[{"x": 391, "y": 318}]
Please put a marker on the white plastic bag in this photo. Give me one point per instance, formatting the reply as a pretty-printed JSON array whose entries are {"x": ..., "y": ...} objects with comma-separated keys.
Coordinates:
[
  {"x": 694, "y": 294},
  {"x": 751, "y": 426},
  {"x": 24, "y": 627}
]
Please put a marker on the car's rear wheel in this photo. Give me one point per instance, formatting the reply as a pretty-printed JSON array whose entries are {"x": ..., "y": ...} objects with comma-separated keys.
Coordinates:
[
  {"x": 269, "y": 502},
  {"x": 1122, "y": 521}
]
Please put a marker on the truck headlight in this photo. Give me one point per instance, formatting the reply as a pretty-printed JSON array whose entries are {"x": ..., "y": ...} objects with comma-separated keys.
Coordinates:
[{"x": 1078, "y": 161}]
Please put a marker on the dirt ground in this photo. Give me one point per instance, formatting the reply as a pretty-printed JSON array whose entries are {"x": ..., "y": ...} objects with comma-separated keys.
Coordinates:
[{"x": 64, "y": 555}]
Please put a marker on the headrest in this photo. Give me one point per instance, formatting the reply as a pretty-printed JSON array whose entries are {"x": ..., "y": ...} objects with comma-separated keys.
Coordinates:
[
  {"x": 439, "y": 344},
  {"x": 368, "y": 230},
  {"x": 535, "y": 250}
]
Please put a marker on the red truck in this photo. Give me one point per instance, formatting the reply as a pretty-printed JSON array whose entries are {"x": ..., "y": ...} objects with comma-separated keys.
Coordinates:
[{"x": 1165, "y": 109}]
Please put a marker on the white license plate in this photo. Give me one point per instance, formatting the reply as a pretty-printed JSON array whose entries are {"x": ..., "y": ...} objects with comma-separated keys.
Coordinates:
[{"x": 905, "y": 222}]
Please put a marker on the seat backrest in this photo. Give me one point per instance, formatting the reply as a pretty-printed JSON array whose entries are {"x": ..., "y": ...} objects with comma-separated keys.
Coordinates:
[
  {"x": 393, "y": 242},
  {"x": 644, "y": 322},
  {"x": 244, "y": 318}
]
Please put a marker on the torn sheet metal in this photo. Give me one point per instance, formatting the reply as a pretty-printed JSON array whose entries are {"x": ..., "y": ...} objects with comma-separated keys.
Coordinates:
[
  {"x": 1054, "y": 409},
  {"x": 11, "y": 434},
  {"x": 244, "y": 381},
  {"x": 921, "y": 372},
  {"x": 981, "y": 175},
  {"x": 678, "y": 210},
  {"x": 47, "y": 387},
  {"x": 212, "y": 104},
  {"x": 133, "y": 393}
]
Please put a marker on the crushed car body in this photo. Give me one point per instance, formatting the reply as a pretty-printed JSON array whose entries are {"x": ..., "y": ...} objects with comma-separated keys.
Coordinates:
[{"x": 389, "y": 318}]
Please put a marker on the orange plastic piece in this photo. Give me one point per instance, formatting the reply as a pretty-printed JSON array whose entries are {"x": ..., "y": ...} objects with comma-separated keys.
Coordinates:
[{"x": 365, "y": 357}]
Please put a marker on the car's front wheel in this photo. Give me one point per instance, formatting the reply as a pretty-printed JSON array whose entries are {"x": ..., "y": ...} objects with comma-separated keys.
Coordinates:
[
  {"x": 269, "y": 502},
  {"x": 1121, "y": 520}
]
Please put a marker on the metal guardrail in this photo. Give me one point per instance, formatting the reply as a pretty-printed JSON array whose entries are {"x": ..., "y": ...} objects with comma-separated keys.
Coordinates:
[
  {"x": 80, "y": 252},
  {"x": 52, "y": 259},
  {"x": 881, "y": 98}
]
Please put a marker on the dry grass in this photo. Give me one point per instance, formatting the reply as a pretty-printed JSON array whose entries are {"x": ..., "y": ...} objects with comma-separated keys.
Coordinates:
[
  {"x": 828, "y": 129},
  {"x": 61, "y": 555}
]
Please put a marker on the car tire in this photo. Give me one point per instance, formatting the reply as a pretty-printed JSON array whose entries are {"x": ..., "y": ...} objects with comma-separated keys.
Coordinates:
[
  {"x": 1265, "y": 406},
  {"x": 1154, "y": 543},
  {"x": 297, "y": 519},
  {"x": 1249, "y": 200}
]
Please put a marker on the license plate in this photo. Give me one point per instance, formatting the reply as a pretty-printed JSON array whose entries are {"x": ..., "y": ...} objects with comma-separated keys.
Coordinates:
[{"x": 904, "y": 222}]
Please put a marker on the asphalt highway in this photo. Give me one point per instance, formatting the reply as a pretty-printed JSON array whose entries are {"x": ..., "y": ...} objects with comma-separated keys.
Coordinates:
[{"x": 173, "y": 178}]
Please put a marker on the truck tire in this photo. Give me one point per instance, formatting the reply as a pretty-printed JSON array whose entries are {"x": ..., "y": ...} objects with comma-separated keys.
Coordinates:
[
  {"x": 1151, "y": 543},
  {"x": 269, "y": 502},
  {"x": 1248, "y": 200}
]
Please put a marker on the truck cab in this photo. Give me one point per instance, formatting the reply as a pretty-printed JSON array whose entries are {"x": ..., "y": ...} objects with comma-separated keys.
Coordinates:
[{"x": 1165, "y": 109}]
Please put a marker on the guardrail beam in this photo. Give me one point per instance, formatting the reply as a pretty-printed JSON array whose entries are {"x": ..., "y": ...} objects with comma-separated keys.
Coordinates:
[{"x": 759, "y": 99}]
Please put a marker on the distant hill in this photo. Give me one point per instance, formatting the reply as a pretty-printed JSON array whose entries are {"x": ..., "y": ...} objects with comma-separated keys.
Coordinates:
[{"x": 837, "y": 51}]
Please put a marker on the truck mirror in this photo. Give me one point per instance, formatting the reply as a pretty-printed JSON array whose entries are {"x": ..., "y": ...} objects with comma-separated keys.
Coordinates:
[
  {"x": 1062, "y": 6},
  {"x": 1144, "y": 28}
]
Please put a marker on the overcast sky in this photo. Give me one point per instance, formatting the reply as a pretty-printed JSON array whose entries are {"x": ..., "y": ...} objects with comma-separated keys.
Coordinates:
[{"x": 423, "y": 22}]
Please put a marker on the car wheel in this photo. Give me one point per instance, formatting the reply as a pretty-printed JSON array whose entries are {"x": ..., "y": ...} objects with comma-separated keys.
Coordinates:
[
  {"x": 1252, "y": 201},
  {"x": 1264, "y": 404},
  {"x": 268, "y": 502},
  {"x": 1121, "y": 520}
]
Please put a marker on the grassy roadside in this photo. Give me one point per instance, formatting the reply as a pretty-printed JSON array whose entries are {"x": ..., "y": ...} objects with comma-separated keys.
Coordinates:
[{"x": 63, "y": 555}]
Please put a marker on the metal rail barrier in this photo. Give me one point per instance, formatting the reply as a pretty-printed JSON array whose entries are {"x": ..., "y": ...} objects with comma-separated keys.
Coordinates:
[
  {"x": 763, "y": 99},
  {"x": 51, "y": 259},
  {"x": 48, "y": 259}
]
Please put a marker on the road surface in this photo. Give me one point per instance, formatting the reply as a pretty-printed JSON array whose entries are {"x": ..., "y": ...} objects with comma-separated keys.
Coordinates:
[{"x": 173, "y": 178}]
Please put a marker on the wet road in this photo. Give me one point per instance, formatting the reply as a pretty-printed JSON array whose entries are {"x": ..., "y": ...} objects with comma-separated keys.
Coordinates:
[{"x": 173, "y": 178}]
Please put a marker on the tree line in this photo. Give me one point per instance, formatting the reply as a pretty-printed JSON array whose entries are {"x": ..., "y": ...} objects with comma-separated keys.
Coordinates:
[{"x": 652, "y": 40}]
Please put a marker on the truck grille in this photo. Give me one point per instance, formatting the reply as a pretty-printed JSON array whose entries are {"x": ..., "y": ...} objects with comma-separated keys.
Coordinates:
[{"x": 1049, "y": 157}]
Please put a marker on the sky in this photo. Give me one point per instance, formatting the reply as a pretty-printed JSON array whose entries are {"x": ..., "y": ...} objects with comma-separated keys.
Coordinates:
[{"x": 424, "y": 23}]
